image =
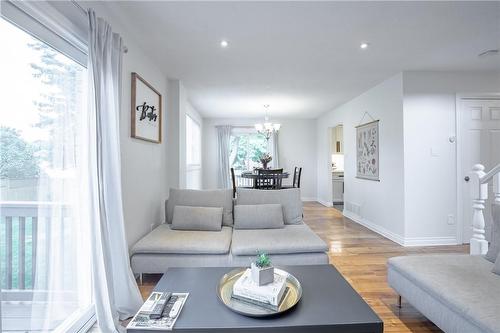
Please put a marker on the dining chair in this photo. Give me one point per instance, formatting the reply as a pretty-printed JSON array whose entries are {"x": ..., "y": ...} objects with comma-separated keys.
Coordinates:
[
  {"x": 235, "y": 183},
  {"x": 297, "y": 173},
  {"x": 233, "y": 179},
  {"x": 271, "y": 180}
]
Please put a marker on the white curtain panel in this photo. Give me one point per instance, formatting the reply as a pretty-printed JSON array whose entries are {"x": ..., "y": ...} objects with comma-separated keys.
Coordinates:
[
  {"x": 273, "y": 149},
  {"x": 223, "y": 150},
  {"x": 116, "y": 293},
  {"x": 62, "y": 242}
]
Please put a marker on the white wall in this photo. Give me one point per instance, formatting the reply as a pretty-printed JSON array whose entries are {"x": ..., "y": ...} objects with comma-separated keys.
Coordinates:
[
  {"x": 179, "y": 106},
  {"x": 297, "y": 142},
  {"x": 379, "y": 205},
  {"x": 176, "y": 94},
  {"x": 144, "y": 164},
  {"x": 187, "y": 109},
  {"x": 430, "y": 159},
  {"x": 416, "y": 197}
]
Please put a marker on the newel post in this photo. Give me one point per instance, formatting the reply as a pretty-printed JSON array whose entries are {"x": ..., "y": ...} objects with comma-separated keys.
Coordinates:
[{"x": 478, "y": 243}]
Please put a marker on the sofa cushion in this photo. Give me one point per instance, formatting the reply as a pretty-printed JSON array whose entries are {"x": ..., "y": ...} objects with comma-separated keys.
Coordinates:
[
  {"x": 290, "y": 239},
  {"x": 201, "y": 198},
  {"x": 267, "y": 216},
  {"x": 288, "y": 198},
  {"x": 197, "y": 218},
  {"x": 494, "y": 247},
  {"x": 462, "y": 283},
  {"x": 165, "y": 240}
]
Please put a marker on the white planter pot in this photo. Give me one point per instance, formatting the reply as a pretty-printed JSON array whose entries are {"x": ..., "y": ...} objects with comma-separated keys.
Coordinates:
[{"x": 262, "y": 276}]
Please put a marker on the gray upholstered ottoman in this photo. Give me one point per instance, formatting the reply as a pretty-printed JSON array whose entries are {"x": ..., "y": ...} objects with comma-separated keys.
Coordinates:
[{"x": 459, "y": 293}]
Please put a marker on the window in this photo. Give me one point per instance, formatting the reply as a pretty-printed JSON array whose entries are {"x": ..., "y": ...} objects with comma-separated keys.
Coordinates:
[
  {"x": 44, "y": 262},
  {"x": 193, "y": 154},
  {"x": 247, "y": 146}
]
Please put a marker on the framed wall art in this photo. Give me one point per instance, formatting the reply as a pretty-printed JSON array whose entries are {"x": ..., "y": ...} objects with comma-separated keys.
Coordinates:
[
  {"x": 146, "y": 110},
  {"x": 367, "y": 151}
]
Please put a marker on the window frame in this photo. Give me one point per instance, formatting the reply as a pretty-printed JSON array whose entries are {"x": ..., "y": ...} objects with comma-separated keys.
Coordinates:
[
  {"x": 61, "y": 26},
  {"x": 243, "y": 130},
  {"x": 53, "y": 24},
  {"x": 193, "y": 166}
]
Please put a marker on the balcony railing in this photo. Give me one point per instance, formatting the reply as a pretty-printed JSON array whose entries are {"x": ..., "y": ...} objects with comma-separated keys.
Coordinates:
[
  {"x": 19, "y": 223},
  {"x": 25, "y": 229}
]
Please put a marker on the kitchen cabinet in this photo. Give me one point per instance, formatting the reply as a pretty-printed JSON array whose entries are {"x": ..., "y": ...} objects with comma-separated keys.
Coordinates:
[
  {"x": 339, "y": 140},
  {"x": 337, "y": 188}
]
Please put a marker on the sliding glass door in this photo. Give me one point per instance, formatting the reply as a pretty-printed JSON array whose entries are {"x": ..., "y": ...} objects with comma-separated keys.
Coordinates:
[{"x": 44, "y": 259}]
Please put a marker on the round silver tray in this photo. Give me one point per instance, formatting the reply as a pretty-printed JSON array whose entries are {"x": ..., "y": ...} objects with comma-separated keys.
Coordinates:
[{"x": 225, "y": 291}]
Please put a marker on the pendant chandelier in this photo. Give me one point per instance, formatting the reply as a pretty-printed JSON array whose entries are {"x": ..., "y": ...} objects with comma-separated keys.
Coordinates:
[{"x": 267, "y": 129}]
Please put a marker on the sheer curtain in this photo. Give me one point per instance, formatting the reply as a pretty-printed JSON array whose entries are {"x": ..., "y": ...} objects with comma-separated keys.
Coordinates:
[
  {"x": 273, "y": 149},
  {"x": 116, "y": 293},
  {"x": 223, "y": 150},
  {"x": 61, "y": 232}
]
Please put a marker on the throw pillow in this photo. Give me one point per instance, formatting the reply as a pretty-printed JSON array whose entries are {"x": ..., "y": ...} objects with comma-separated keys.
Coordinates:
[
  {"x": 201, "y": 198},
  {"x": 266, "y": 216},
  {"x": 288, "y": 198},
  {"x": 197, "y": 218}
]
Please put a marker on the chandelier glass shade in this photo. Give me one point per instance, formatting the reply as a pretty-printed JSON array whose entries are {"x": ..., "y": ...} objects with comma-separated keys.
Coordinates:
[{"x": 267, "y": 128}]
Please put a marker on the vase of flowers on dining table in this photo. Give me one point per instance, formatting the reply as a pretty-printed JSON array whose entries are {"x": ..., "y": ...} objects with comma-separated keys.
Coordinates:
[{"x": 265, "y": 159}]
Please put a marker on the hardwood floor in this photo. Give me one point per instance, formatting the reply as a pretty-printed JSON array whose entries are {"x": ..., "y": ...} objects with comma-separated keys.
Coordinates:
[{"x": 361, "y": 256}]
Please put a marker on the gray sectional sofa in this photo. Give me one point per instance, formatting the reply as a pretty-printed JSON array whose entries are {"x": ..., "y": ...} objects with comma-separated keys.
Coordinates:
[
  {"x": 258, "y": 220},
  {"x": 459, "y": 293}
]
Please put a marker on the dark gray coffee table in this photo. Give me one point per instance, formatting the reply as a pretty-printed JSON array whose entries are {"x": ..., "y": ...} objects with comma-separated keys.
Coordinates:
[{"x": 328, "y": 304}]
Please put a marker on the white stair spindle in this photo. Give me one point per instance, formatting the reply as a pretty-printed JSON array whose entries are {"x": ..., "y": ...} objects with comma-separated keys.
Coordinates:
[{"x": 478, "y": 243}]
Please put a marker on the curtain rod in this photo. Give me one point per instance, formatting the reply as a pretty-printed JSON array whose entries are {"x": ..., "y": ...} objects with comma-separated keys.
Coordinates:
[{"x": 84, "y": 11}]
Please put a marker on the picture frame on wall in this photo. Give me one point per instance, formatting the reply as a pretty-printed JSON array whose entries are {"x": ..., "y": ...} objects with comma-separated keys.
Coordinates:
[
  {"x": 146, "y": 113},
  {"x": 367, "y": 151}
]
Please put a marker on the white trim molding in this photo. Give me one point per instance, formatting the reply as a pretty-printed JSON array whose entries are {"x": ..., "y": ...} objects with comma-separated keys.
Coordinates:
[
  {"x": 403, "y": 241},
  {"x": 308, "y": 199},
  {"x": 430, "y": 241},
  {"x": 325, "y": 203},
  {"x": 373, "y": 227}
]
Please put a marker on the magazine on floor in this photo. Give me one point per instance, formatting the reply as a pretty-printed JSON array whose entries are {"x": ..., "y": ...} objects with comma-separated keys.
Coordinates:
[{"x": 159, "y": 312}]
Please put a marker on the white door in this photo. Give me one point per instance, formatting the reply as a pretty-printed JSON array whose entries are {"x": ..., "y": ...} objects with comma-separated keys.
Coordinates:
[{"x": 479, "y": 143}]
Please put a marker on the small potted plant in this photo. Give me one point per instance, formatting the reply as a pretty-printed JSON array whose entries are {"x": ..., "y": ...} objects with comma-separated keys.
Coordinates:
[
  {"x": 262, "y": 270},
  {"x": 265, "y": 159}
]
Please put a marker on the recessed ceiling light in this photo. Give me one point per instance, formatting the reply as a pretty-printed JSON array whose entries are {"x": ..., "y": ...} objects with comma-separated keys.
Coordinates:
[
  {"x": 364, "y": 45},
  {"x": 224, "y": 43}
]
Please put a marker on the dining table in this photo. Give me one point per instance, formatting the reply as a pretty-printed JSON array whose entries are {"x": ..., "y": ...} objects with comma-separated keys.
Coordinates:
[{"x": 254, "y": 175}]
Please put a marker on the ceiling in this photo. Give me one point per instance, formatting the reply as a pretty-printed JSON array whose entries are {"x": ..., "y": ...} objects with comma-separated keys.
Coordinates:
[{"x": 304, "y": 58}]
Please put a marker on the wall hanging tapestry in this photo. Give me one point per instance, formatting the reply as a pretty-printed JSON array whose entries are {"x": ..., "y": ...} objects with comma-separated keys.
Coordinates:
[
  {"x": 146, "y": 110},
  {"x": 367, "y": 151}
]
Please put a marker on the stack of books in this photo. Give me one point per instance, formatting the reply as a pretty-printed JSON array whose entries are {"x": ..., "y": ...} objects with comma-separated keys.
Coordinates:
[{"x": 268, "y": 296}]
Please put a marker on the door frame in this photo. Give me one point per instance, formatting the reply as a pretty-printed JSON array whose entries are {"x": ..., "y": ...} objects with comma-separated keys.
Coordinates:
[
  {"x": 328, "y": 170},
  {"x": 460, "y": 186}
]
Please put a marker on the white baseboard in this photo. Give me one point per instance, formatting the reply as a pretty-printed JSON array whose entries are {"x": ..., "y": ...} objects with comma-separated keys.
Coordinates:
[
  {"x": 308, "y": 199},
  {"x": 404, "y": 241},
  {"x": 430, "y": 241},
  {"x": 325, "y": 203},
  {"x": 373, "y": 227}
]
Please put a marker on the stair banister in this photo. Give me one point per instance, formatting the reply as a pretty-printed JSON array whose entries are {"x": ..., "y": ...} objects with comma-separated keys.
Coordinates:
[
  {"x": 494, "y": 173},
  {"x": 479, "y": 185}
]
